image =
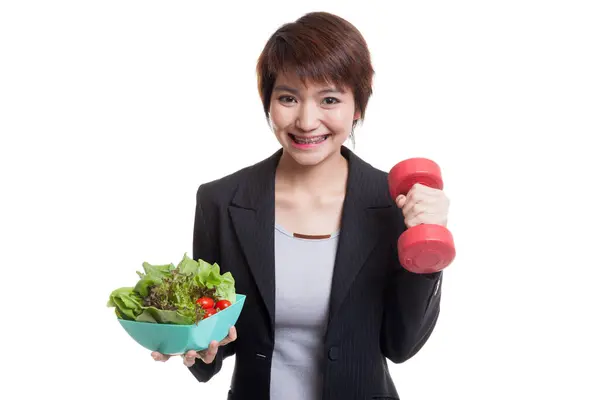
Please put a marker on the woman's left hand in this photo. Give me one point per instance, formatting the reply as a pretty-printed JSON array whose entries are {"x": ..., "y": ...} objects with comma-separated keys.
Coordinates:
[{"x": 424, "y": 205}]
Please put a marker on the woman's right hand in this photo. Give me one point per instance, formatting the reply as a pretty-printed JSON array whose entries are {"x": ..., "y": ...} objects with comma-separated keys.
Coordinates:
[{"x": 207, "y": 356}]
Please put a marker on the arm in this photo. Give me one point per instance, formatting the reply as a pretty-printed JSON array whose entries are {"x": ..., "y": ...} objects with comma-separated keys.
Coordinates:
[
  {"x": 205, "y": 247},
  {"x": 412, "y": 306},
  {"x": 410, "y": 314}
]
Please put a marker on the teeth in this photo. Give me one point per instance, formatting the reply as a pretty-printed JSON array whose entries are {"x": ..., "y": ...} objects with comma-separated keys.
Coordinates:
[{"x": 312, "y": 140}]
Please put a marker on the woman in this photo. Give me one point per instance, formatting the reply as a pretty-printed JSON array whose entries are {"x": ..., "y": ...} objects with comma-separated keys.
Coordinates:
[{"x": 310, "y": 236}]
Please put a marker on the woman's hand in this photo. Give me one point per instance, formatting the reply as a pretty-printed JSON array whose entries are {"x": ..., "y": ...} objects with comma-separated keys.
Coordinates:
[
  {"x": 424, "y": 205},
  {"x": 207, "y": 356}
]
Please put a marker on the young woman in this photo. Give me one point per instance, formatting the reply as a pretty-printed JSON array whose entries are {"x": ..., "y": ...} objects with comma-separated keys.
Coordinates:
[{"x": 310, "y": 236}]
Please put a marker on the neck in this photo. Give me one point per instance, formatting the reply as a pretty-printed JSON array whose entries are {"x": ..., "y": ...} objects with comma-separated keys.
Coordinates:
[{"x": 329, "y": 175}]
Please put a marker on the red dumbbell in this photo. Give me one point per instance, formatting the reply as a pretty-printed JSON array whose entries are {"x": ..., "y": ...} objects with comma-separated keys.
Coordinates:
[{"x": 425, "y": 248}]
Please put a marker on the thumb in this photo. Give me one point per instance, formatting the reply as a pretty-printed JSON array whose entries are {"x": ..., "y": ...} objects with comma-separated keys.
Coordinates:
[{"x": 401, "y": 200}]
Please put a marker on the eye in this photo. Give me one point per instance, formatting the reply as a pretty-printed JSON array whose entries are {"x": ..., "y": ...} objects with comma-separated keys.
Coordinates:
[
  {"x": 330, "y": 101},
  {"x": 286, "y": 99}
]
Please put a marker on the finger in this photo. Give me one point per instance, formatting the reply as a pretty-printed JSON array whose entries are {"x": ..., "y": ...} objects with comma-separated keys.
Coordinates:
[
  {"x": 417, "y": 202},
  {"x": 232, "y": 336},
  {"x": 414, "y": 218},
  {"x": 420, "y": 192},
  {"x": 189, "y": 358},
  {"x": 208, "y": 355},
  {"x": 428, "y": 190},
  {"x": 413, "y": 208},
  {"x": 191, "y": 354},
  {"x": 400, "y": 200},
  {"x": 159, "y": 356},
  {"x": 406, "y": 202},
  {"x": 411, "y": 199},
  {"x": 419, "y": 208},
  {"x": 423, "y": 218}
]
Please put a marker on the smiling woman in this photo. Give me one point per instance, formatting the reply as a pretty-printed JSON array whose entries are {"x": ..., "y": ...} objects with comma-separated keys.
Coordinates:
[
  {"x": 318, "y": 117},
  {"x": 310, "y": 236},
  {"x": 329, "y": 53}
]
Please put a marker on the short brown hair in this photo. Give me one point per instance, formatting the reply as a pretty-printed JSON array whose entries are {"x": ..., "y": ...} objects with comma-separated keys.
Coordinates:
[{"x": 319, "y": 47}]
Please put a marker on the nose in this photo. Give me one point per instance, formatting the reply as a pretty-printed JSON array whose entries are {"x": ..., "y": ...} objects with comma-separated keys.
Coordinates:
[{"x": 309, "y": 117}]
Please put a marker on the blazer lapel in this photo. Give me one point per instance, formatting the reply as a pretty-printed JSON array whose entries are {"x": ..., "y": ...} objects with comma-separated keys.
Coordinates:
[
  {"x": 360, "y": 227},
  {"x": 253, "y": 215}
]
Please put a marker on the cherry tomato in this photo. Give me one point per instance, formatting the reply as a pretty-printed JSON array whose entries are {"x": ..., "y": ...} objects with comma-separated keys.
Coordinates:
[
  {"x": 209, "y": 312},
  {"x": 223, "y": 304},
  {"x": 206, "y": 302}
]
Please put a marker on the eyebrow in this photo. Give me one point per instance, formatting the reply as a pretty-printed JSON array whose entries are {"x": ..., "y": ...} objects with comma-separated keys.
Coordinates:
[{"x": 284, "y": 88}]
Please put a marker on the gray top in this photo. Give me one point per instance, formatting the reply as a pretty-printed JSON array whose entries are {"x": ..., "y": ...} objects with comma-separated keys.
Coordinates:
[{"x": 303, "y": 274}]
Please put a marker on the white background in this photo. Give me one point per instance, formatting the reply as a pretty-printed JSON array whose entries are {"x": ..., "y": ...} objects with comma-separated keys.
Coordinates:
[{"x": 113, "y": 112}]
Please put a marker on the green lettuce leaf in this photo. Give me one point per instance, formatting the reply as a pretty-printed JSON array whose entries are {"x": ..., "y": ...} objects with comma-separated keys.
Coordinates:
[
  {"x": 226, "y": 288},
  {"x": 127, "y": 303},
  {"x": 154, "y": 315},
  {"x": 209, "y": 276},
  {"x": 167, "y": 293},
  {"x": 188, "y": 266},
  {"x": 153, "y": 275}
]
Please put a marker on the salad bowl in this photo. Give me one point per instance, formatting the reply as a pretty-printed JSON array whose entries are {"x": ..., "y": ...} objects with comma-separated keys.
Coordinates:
[
  {"x": 173, "y": 339},
  {"x": 172, "y": 309}
]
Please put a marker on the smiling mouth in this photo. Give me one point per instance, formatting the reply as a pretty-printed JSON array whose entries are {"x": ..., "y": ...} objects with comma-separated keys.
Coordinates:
[{"x": 309, "y": 140}]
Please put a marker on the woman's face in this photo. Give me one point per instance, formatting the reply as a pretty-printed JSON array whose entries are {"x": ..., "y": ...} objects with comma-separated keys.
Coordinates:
[{"x": 311, "y": 122}]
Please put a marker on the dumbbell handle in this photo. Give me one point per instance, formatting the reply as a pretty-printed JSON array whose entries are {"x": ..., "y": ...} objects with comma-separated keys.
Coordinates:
[{"x": 425, "y": 248}]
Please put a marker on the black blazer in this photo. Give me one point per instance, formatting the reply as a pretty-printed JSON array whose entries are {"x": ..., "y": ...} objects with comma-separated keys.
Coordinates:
[{"x": 378, "y": 310}]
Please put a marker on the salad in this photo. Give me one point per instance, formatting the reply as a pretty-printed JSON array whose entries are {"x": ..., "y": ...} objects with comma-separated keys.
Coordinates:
[{"x": 167, "y": 294}]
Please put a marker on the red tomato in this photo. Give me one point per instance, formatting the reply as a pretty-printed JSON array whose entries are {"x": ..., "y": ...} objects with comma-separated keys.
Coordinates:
[
  {"x": 206, "y": 302},
  {"x": 223, "y": 304},
  {"x": 209, "y": 312}
]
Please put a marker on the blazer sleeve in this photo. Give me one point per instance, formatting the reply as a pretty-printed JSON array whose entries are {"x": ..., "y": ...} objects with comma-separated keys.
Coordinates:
[
  {"x": 412, "y": 306},
  {"x": 206, "y": 247}
]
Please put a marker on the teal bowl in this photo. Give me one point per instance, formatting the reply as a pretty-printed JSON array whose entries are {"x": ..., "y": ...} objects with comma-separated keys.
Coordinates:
[{"x": 177, "y": 339}]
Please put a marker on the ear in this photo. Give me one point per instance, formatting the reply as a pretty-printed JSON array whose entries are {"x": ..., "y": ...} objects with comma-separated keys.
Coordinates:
[
  {"x": 270, "y": 122},
  {"x": 357, "y": 115}
]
